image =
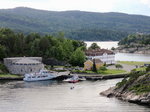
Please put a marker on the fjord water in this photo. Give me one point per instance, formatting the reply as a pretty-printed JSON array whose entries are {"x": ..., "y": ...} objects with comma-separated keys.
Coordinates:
[
  {"x": 54, "y": 96},
  {"x": 121, "y": 56}
]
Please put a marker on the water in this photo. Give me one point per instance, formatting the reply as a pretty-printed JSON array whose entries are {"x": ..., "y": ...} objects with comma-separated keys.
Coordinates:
[
  {"x": 54, "y": 96},
  {"x": 103, "y": 44},
  {"x": 121, "y": 56},
  {"x": 132, "y": 57}
]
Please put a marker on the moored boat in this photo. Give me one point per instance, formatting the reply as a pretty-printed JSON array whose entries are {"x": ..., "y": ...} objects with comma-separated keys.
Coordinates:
[
  {"x": 42, "y": 75},
  {"x": 74, "y": 79}
]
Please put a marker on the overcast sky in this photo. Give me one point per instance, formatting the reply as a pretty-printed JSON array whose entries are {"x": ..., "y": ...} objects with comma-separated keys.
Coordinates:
[{"x": 125, "y": 6}]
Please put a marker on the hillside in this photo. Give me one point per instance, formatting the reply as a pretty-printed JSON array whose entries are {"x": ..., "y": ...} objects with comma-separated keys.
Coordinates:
[{"x": 76, "y": 24}]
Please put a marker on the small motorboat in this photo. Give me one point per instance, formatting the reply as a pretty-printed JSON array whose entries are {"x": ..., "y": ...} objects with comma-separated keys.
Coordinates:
[{"x": 74, "y": 79}]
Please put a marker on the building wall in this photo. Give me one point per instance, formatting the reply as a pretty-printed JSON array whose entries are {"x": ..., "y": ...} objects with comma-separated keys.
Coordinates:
[
  {"x": 98, "y": 65},
  {"x": 23, "y": 68},
  {"x": 88, "y": 65},
  {"x": 108, "y": 59}
]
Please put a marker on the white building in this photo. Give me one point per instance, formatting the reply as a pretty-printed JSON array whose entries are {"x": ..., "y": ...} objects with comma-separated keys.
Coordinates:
[
  {"x": 23, "y": 65},
  {"x": 106, "y": 56}
]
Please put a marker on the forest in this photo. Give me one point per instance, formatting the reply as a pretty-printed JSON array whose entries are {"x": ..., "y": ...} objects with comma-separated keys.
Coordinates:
[
  {"x": 136, "y": 39},
  {"x": 77, "y": 25},
  {"x": 47, "y": 46}
]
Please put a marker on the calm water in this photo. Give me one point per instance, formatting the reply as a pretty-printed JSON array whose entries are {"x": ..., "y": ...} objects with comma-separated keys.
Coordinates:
[
  {"x": 121, "y": 56},
  {"x": 53, "y": 96},
  {"x": 103, "y": 44}
]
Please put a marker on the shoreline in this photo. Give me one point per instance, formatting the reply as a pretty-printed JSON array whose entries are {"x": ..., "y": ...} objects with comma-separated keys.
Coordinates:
[
  {"x": 11, "y": 78},
  {"x": 142, "y": 99},
  {"x": 87, "y": 76}
]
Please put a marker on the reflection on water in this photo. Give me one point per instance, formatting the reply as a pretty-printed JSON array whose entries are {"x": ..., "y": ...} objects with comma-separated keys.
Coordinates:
[{"x": 54, "y": 96}]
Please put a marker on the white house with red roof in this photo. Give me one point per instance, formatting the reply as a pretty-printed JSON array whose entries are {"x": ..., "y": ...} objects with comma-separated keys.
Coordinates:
[{"x": 105, "y": 55}]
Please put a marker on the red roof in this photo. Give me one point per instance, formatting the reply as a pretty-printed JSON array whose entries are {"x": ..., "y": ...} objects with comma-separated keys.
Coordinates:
[{"x": 97, "y": 52}]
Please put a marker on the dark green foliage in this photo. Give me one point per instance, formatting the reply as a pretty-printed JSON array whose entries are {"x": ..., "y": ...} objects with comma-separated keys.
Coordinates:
[
  {"x": 77, "y": 25},
  {"x": 112, "y": 48},
  {"x": 138, "y": 82},
  {"x": 77, "y": 58},
  {"x": 103, "y": 68},
  {"x": 123, "y": 82},
  {"x": 148, "y": 68},
  {"x": 2, "y": 52},
  {"x": 118, "y": 66},
  {"x": 47, "y": 46},
  {"x": 136, "y": 40},
  {"x": 3, "y": 68},
  {"x": 94, "y": 46},
  {"x": 94, "y": 69}
]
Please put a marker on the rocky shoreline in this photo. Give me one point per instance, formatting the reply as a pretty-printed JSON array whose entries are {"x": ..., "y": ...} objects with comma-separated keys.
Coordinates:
[
  {"x": 135, "y": 89},
  {"x": 134, "y": 49},
  {"x": 128, "y": 96}
]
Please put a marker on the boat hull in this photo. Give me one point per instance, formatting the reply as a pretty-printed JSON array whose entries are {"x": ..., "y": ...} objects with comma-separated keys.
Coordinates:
[{"x": 38, "y": 79}]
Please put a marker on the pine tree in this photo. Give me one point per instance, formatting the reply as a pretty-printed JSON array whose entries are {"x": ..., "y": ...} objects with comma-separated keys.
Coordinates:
[{"x": 94, "y": 66}]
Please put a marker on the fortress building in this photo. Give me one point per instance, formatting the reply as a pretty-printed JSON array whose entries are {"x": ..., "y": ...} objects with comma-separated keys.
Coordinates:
[{"x": 23, "y": 65}]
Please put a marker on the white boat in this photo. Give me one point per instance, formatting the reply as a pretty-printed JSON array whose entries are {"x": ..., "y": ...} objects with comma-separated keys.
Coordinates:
[
  {"x": 42, "y": 75},
  {"x": 74, "y": 79}
]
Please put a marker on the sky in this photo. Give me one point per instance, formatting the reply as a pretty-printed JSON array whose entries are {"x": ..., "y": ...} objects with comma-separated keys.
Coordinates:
[{"x": 141, "y": 7}]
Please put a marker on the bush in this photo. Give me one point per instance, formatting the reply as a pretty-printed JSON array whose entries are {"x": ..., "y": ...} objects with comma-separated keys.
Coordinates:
[
  {"x": 123, "y": 82},
  {"x": 3, "y": 68},
  {"x": 148, "y": 68},
  {"x": 103, "y": 68},
  {"x": 118, "y": 66}
]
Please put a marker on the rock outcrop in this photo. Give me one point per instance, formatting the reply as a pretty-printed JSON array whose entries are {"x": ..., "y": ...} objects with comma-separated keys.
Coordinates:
[
  {"x": 135, "y": 90},
  {"x": 134, "y": 49}
]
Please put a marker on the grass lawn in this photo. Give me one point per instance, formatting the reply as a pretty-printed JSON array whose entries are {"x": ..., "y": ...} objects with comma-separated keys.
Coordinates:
[
  {"x": 106, "y": 72},
  {"x": 112, "y": 71},
  {"x": 9, "y": 75},
  {"x": 133, "y": 62},
  {"x": 141, "y": 69}
]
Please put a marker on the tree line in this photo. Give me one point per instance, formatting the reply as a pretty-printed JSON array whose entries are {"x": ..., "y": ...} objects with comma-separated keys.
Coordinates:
[
  {"x": 46, "y": 46},
  {"x": 139, "y": 39}
]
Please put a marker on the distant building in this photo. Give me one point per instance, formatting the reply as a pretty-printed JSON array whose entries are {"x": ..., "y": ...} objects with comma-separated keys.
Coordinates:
[
  {"x": 88, "y": 65},
  {"x": 23, "y": 65},
  {"x": 106, "y": 56}
]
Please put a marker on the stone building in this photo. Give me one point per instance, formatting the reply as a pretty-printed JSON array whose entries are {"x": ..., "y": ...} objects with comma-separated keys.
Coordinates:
[{"x": 23, "y": 65}]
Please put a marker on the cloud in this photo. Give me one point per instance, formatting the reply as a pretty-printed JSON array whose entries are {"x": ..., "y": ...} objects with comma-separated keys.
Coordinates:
[
  {"x": 126, "y": 6},
  {"x": 59, "y": 5},
  {"x": 145, "y": 2}
]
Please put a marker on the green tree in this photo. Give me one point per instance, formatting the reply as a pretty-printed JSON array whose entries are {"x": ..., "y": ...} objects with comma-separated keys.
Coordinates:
[
  {"x": 77, "y": 58},
  {"x": 148, "y": 68},
  {"x": 118, "y": 66},
  {"x": 103, "y": 68},
  {"x": 94, "y": 69},
  {"x": 94, "y": 46},
  {"x": 2, "y": 52}
]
